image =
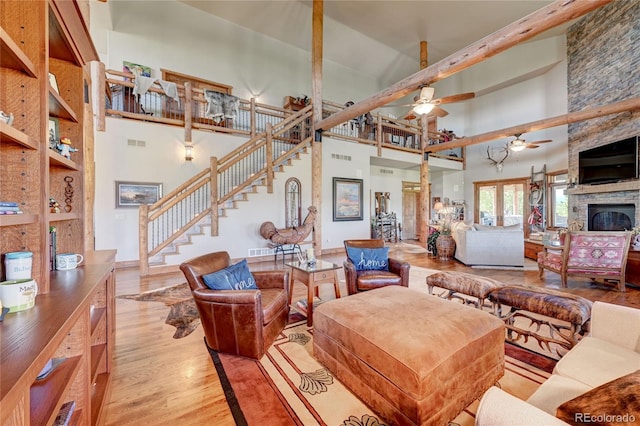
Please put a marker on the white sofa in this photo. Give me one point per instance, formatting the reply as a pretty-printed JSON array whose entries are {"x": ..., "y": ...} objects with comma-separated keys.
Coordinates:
[
  {"x": 489, "y": 245},
  {"x": 610, "y": 351}
]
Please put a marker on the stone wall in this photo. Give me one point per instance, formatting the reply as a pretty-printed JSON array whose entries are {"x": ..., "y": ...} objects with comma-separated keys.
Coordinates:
[{"x": 603, "y": 54}]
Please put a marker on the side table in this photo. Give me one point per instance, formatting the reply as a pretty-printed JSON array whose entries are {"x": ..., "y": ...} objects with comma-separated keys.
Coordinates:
[{"x": 312, "y": 276}]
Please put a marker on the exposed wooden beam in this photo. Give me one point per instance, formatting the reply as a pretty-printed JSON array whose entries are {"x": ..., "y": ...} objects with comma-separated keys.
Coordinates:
[
  {"x": 546, "y": 123},
  {"x": 316, "y": 96},
  {"x": 550, "y": 16}
]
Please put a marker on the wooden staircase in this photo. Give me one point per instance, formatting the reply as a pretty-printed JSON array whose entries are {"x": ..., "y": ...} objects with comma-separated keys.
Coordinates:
[{"x": 204, "y": 199}]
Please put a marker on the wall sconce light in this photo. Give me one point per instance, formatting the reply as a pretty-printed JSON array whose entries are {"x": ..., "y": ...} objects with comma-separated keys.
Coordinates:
[{"x": 188, "y": 152}]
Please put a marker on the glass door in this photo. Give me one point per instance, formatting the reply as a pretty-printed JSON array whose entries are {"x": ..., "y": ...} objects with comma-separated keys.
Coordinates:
[{"x": 500, "y": 203}]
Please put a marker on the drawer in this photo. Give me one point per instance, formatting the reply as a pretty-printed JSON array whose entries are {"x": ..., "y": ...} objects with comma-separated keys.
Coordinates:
[{"x": 323, "y": 276}]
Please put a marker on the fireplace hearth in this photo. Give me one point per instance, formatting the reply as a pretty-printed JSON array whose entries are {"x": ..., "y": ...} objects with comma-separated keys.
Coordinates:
[{"x": 610, "y": 217}]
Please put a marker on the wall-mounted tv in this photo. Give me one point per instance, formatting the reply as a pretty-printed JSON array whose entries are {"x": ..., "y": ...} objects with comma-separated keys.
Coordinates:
[{"x": 613, "y": 162}]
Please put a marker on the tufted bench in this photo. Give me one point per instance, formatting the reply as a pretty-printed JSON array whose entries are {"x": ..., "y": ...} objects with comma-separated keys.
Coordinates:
[
  {"x": 567, "y": 315},
  {"x": 413, "y": 358},
  {"x": 461, "y": 283}
]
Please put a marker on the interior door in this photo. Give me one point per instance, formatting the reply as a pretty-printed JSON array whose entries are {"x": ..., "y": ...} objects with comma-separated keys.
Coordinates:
[
  {"x": 410, "y": 211},
  {"x": 500, "y": 203}
]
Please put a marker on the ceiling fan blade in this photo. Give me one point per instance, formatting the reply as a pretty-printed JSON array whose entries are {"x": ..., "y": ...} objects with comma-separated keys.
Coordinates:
[
  {"x": 438, "y": 112},
  {"x": 395, "y": 106},
  {"x": 543, "y": 141},
  {"x": 454, "y": 98},
  {"x": 531, "y": 146}
]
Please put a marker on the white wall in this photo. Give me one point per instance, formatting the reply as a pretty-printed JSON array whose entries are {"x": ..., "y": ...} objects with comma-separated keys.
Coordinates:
[{"x": 521, "y": 91}]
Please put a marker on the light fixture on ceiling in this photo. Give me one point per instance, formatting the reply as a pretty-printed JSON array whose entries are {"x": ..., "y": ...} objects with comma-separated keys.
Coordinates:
[
  {"x": 188, "y": 152},
  {"x": 517, "y": 144},
  {"x": 423, "y": 108},
  {"x": 423, "y": 104}
]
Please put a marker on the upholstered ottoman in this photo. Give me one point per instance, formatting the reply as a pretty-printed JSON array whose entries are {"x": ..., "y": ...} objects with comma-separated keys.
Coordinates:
[
  {"x": 566, "y": 316},
  {"x": 413, "y": 358},
  {"x": 461, "y": 283}
]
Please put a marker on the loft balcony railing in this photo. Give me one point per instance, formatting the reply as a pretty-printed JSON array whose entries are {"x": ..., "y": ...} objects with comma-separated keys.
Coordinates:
[{"x": 189, "y": 111}]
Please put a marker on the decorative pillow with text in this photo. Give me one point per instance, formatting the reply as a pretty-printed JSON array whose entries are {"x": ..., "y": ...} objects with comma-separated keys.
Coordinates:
[
  {"x": 367, "y": 259},
  {"x": 233, "y": 277}
]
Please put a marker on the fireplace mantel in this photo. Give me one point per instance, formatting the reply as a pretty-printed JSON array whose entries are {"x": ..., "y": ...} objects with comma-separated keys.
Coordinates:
[{"x": 607, "y": 187}]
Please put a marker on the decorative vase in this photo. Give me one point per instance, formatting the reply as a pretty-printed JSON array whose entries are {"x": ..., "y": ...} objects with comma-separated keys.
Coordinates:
[{"x": 446, "y": 247}]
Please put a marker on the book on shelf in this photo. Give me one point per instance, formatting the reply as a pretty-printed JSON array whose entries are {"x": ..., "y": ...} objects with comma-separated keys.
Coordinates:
[
  {"x": 11, "y": 211},
  {"x": 64, "y": 415},
  {"x": 8, "y": 204}
]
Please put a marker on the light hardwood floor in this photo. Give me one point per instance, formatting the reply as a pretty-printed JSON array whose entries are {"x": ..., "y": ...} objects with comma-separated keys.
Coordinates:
[{"x": 158, "y": 380}]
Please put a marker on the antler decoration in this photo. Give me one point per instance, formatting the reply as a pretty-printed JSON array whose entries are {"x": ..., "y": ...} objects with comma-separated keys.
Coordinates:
[{"x": 498, "y": 163}]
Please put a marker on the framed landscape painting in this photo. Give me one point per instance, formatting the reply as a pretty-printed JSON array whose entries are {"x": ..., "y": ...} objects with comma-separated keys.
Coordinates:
[
  {"x": 347, "y": 199},
  {"x": 133, "y": 194}
]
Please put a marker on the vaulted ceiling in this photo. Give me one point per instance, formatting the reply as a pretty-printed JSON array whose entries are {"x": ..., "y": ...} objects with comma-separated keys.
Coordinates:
[{"x": 381, "y": 38}]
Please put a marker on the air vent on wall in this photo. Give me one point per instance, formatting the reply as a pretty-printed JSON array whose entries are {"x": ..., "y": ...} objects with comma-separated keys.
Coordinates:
[
  {"x": 253, "y": 252},
  {"x": 133, "y": 142},
  {"x": 386, "y": 171},
  {"x": 341, "y": 157}
]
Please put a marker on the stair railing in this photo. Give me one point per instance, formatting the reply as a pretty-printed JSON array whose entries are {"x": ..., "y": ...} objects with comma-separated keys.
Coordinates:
[{"x": 206, "y": 193}]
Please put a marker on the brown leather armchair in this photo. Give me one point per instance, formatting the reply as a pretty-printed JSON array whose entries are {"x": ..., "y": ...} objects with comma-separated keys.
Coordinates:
[
  {"x": 239, "y": 322},
  {"x": 358, "y": 281}
]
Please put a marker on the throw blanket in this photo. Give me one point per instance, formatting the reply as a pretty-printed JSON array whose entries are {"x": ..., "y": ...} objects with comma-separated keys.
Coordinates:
[
  {"x": 142, "y": 84},
  {"x": 220, "y": 105}
]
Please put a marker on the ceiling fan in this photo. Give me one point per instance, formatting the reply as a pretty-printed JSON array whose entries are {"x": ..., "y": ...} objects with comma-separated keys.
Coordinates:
[
  {"x": 424, "y": 104},
  {"x": 518, "y": 144}
]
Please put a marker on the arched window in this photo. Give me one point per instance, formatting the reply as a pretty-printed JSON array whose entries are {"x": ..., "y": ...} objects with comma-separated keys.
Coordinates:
[{"x": 293, "y": 190}]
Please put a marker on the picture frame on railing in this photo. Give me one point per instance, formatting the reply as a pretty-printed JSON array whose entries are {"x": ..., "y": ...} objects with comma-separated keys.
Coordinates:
[
  {"x": 134, "y": 194},
  {"x": 347, "y": 199}
]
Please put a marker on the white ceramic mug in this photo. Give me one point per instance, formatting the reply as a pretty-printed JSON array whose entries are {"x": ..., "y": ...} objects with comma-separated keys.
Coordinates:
[
  {"x": 66, "y": 261},
  {"x": 18, "y": 295}
]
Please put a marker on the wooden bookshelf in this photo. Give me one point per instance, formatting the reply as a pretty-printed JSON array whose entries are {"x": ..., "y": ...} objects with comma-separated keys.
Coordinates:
[{"x": 73, "y": 317}]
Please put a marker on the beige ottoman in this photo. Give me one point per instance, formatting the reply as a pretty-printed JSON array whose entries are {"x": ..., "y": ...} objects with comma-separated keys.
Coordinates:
[{"x": 413, "y": 358}]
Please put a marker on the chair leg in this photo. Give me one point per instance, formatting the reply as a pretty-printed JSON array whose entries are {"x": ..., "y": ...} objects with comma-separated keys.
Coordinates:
[{"x": 563, "y": 279}]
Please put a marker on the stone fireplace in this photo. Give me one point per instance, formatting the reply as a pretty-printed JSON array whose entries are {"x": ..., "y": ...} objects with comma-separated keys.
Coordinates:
[
  {"x": 610, "y": 217},
  {"x": 593, "y": 45}
]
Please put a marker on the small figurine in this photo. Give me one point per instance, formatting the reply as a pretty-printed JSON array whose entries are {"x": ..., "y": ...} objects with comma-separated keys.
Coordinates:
[
  {"x": 64, "y": 148},
  {"x": 54, "y": 206},
  {"x": 7, "y": 118}
]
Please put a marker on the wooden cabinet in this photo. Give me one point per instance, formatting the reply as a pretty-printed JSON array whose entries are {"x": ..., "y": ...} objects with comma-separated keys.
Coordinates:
[
  {"x": 39, "y": 39},
  {"x": 73, "y": 324},
  {"x": 632, "y": 273},
  {"x": 532, "y": 248}
]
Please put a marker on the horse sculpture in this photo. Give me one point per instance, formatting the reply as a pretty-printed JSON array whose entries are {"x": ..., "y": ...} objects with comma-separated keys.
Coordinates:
[{"x": 292, "y": 235}]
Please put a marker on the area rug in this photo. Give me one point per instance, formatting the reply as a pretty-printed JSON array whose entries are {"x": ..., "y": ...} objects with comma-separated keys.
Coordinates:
[{"x": 288, "y": 386}]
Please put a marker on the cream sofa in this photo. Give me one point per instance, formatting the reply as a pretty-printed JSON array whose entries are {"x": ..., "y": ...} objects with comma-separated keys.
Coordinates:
[
  {"x": 610, "y": 351},
  {"x": 489, "y": 245}
]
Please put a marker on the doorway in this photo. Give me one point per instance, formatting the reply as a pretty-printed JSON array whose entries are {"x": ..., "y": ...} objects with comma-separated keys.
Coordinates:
[
  {"x": 411, "y": 217},
  {"x": 500, "y": 203}
]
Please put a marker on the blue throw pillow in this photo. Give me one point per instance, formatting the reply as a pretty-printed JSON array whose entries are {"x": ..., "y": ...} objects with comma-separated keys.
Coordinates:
[
  {"x": 233, "y": 277},
  {"x": 367, "y": 259}
]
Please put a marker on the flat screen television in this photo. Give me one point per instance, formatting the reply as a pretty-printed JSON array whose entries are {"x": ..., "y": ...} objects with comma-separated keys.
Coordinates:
[{"x": 613, "y": 162}]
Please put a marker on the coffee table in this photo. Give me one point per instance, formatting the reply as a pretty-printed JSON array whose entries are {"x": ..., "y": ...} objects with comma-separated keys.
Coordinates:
[{"x": 312, "y": 276}]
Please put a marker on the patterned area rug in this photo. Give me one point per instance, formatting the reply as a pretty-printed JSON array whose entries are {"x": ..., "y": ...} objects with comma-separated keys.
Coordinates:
[{"x": 288, "y": 386}]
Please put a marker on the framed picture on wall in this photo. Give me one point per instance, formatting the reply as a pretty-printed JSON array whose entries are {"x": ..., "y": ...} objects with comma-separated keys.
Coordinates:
[
  {"x": 347, "y": 199},
  {"x": 134, "y": 194}
]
